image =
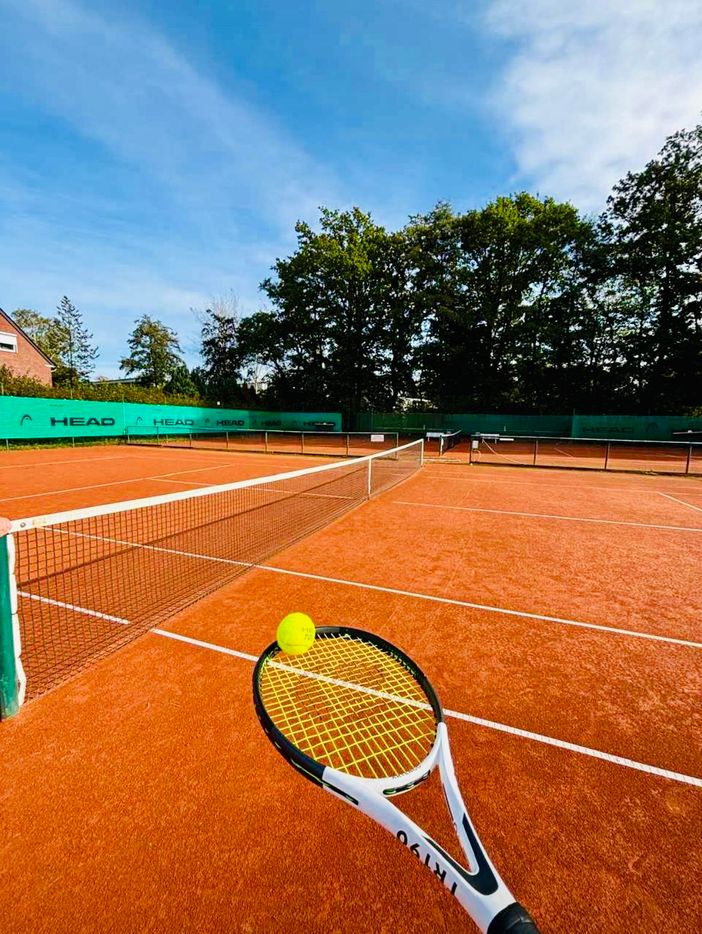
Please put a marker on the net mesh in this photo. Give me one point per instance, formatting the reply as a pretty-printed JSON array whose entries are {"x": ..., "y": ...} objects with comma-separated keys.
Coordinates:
[
  {"x": 92, "y": 580},
  {"x": 324, "y": 443},
  {"x": 350, "y": 705},
  {"x": 449, "y": 441}
]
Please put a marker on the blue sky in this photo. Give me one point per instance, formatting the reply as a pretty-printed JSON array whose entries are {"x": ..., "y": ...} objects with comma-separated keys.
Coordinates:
[{"x": 156, "y": 154}]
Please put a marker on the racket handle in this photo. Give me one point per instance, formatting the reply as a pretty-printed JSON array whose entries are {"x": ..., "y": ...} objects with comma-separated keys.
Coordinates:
[{"x": 513, "y": 920}]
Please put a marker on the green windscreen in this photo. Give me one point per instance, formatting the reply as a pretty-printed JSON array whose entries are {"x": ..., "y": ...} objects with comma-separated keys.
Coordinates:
[
  {"x": 627, "y": 427},
  {"x": 35, "y": 418}
]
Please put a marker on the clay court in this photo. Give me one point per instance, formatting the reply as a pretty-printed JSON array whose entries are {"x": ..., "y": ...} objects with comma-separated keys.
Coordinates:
[{"x": 556, "y": 612}]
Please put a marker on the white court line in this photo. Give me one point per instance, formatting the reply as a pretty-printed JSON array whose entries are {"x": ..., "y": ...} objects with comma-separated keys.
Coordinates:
[
  {"x": 682, "y": 502},
  {"x": 72, "y": 606},
  {"x": 95, "y": 486},
  {"x": 542, "y": 485},
  {"x": 77, "y": 460},
  {"x": 188, "y": 482},
  {"x": 541, "y": 515},
  {"x": 482, "y": 606},
  {"x": 521, "y": 614},
  {"x": 477, "y": 721}
]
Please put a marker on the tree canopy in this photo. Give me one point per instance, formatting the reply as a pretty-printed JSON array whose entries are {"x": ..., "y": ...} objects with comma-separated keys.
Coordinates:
[
  {"x": 154, "y": 353},
  {"x": 523, "y": 304}
]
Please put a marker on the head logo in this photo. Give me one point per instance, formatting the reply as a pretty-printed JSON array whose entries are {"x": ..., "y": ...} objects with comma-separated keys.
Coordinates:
[{"x": 25, "y": 418}]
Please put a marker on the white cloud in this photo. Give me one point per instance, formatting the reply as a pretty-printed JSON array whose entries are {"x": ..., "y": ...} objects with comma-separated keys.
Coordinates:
[
  {"x": 185, "y": 188},
  {"x": 593, "y": 87},
  {"x": 124, "y": 86}
]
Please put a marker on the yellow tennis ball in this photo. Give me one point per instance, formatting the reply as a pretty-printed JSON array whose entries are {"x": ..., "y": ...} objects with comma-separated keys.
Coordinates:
[{"x": 295, "y": 633}]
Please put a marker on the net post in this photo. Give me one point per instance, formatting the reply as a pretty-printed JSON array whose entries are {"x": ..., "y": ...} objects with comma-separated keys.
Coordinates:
[
  {"x": 265, "y": 442},
  {"x": 607, "y": 447},
  {"x": 190, "y": 436},
  {"x": 302, "y": 442},
  {"x": 347, "y": 443},
  {"x": 421, "y": 453},
  {"x": 12, "y": 679},
  {"x": 689, "y": 458},
  {"x": 226, "y": 435},
  {"x": 370, "y": 479},
  {"x": 536, "y": 451}
]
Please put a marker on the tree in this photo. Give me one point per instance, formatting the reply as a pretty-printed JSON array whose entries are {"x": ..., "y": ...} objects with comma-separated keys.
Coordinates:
[
  {"x": 220, "y": 351},
  {"x": 496, "y": 289},
  {"x": 155, "y": 352},
  {"x": 74, "y": 348},
  {"x": 332, "y": 300},
  {"x": 653, "y": 230},
  {"x": 181, "y": 382},
  {"x": 44, "y": 331}
]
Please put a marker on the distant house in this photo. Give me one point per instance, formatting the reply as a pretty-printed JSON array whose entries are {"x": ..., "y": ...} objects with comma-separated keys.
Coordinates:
[{"x": 20, "y": 354}]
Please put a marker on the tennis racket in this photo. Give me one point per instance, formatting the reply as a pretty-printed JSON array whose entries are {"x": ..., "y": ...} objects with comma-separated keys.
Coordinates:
[{"x": 355, "y": 715}]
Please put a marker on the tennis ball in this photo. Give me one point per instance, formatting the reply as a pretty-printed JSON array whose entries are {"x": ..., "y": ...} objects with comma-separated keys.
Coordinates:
[{"x": 295, "y": 633}]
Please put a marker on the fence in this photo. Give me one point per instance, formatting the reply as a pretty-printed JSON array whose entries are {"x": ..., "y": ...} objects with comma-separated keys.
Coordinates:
[
  {"x": 34, "y": 419},
  {"x": 582, "y": 453}
]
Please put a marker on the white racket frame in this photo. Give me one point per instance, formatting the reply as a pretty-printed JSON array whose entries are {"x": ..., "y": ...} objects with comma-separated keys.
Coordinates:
[{"x": 372, "y": 796}]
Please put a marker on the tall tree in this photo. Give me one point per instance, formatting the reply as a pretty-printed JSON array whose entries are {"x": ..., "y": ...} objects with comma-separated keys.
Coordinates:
[
  {"x": 76, "y": 352},
  {"x": 489, "y": 284},
  {"x": 653, "y": 228},
  {"x": 331, "y": 303},
  {"x": 154, "y": 352},
  {"x": 220, "y": 351}
]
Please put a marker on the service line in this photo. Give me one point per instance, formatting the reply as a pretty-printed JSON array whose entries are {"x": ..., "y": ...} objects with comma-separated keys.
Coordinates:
[
  {"x": 479, "y": 721},
  {"x": 543, "y": 515}
]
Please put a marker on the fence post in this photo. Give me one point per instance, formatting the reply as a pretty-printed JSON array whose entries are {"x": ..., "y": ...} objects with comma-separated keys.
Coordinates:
[
  {"x": 536, "y": 451},
  {"x": 607, "y": 454}
]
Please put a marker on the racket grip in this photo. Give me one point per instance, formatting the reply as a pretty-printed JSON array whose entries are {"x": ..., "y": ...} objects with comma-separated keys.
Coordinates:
[{"x": 514, "y": 919}]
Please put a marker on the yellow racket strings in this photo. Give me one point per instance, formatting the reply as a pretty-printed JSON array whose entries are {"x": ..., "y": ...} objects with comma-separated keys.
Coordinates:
[{"x": 350, "y": 705}]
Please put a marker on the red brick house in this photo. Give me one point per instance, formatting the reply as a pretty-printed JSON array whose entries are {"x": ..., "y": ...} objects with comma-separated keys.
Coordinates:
[{"x": 20, "y": 354}]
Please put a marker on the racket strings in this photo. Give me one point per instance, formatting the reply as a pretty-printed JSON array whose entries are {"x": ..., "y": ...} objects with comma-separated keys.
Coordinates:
[{"x": 350, "y": 705}]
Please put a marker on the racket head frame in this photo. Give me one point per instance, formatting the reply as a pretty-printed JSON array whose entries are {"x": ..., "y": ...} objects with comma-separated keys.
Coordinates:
[{"x": 318, "y": 772}]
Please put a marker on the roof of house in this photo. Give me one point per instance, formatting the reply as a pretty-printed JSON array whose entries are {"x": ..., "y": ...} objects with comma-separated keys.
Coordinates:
[{"x": 4, "y": 314}]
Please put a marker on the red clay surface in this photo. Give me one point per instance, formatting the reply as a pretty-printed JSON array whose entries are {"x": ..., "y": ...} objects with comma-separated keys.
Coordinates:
[
  {"x": 38, "y": 482},
  {"x": 143, "y": 796}
]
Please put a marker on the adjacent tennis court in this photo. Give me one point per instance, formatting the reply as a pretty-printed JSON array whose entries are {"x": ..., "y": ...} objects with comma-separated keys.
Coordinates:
[{"x": 556, "y": 613}]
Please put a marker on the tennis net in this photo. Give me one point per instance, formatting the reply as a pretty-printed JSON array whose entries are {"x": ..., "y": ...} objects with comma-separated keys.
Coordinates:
[
  {"x": 326, "y": 443},
  {"x": 449, "y": 440},
  {"x": 88, "y": 581}
]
